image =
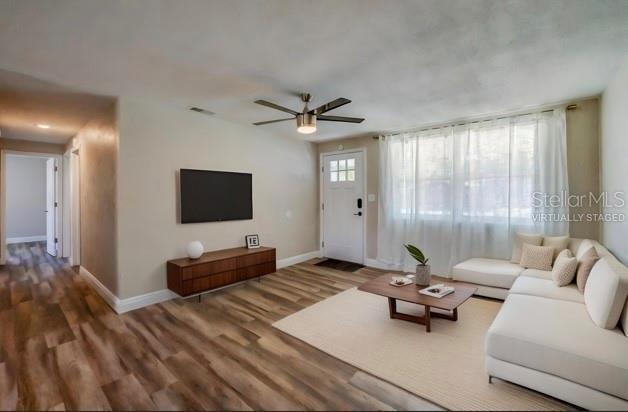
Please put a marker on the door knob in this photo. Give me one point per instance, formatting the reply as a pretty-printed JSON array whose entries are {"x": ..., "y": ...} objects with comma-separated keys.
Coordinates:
[{"x": 357, "y": 214}]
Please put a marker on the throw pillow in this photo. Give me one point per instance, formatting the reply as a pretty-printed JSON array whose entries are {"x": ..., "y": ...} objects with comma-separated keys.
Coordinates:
[
  {"x": 559, "y": 243},
  {"x": 537, "y": 257},
  {"x": 605, "y": 295},
  {"x": 565, "y": 253},
  {"x": 585, "y": 245},
  {"x": 519, "y": 240},
  {"x": 564, "y": 268},
  {"x": 587, "y": 260}
]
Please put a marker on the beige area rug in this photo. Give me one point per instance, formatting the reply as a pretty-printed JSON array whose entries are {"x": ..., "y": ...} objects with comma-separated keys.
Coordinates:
[{"x": 445, "y": 366}]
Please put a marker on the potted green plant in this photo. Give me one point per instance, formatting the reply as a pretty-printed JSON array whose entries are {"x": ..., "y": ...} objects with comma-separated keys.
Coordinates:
[{"x": 423, "y": 273}]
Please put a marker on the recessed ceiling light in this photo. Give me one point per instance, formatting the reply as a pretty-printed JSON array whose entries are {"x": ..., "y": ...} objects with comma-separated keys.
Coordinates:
[{"x": 43, "y": 126}]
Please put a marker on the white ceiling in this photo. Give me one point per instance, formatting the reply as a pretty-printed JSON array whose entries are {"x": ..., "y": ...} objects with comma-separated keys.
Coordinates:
[
  {"x": 26, "y": 102},
  {"x": 403, "y": 63}
]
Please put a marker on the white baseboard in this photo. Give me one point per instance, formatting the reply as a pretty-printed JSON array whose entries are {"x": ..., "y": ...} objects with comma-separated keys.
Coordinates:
[
  {"x": 26, "y": 239},
  {"x": 102, "y": 290},
  {"x": 293, "y": 260},
  {"x": 151, "y": 298},
  {"x": 147, "y": 299},
  {"x": 128, "y": 304}
]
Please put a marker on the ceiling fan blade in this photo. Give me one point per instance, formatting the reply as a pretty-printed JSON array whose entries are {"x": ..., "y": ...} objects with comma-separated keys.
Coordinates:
[
  {"x": 341, "y": 101},
  {"x": 272, "y": 121},
  {"x": 276, "y": 107},
  {"x": 339, "y": 119}
]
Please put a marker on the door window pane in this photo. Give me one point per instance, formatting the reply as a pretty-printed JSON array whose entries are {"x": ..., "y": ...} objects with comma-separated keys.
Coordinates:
[{"x": 342, "y": 170}]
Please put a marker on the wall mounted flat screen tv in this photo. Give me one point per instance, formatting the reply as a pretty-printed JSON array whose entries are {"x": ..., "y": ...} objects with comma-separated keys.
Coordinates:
[{"x": 212, "y": 196}]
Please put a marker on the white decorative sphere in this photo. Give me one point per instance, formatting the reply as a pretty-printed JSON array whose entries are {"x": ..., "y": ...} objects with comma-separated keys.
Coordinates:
[{"x": 195, "y": 249}]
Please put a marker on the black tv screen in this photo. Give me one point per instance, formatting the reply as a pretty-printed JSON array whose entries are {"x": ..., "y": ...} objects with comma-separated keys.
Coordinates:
[{"x": 212, "y": 196}]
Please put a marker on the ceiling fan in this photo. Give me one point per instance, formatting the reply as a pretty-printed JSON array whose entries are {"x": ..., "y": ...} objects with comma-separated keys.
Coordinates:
[{"x": 306, "y": 119}]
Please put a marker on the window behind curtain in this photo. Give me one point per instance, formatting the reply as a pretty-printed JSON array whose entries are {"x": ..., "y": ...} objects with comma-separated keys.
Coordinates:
[
  {"x": 494, "y": 165},
  {"x": 498, "y": 174},
  {"x": 462, "y": 191},
  {"x": 424, "y": 175}
]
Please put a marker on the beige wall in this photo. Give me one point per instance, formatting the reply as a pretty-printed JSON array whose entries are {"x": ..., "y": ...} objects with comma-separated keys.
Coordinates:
[
  {"x": 372, "y": 181},
  {"x": 583, "y": 153},
  {"x": 582, "y": 149},
  {"x": 614, "y": 158},
  {"x": 156, "y": 140},
  {"x": 98, "y": 153},
  {"x": 30, "y": 146}
]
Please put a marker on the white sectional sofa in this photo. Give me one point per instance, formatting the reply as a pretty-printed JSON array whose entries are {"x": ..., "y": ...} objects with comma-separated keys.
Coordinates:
[{"x": 557, "y": 340}]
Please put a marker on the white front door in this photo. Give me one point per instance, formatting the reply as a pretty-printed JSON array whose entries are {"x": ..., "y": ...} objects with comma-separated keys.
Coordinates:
[
  {"x": 343, "y": 206},
  {"x": 51, "y": 206}
]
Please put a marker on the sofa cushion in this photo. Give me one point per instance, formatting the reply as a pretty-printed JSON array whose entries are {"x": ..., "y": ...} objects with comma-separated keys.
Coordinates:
[
  {"x": 537, "y": 257},
  {"x": 564, "y": 268},
  {"x": 605, "y": 295},
  {"x": 559, "y": 243},
  {"x": 584, "y": 246},
  {"x": 491, "y": 272},
  {"x": 557, "y": 337},
  {"x": 544, "y": 288},
  {"x": 518, "y": 242},
  {"x": 535, "y": 273},
  {"x": 585, "y": 264}
]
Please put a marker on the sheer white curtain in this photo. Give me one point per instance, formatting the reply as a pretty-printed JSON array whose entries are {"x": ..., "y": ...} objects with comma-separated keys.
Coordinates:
[{"x": 462, "y": 191}]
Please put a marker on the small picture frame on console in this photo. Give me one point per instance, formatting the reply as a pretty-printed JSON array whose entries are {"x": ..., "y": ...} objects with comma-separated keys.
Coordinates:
[{"x": 252, "y": 241}]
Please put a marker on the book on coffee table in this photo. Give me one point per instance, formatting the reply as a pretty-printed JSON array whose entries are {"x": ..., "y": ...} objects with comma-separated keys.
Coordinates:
[{"x": 437, "y": 291}]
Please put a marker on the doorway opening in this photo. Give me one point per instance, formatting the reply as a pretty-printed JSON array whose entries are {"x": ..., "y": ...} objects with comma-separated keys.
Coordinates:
[{"x": 34, "y": 193}]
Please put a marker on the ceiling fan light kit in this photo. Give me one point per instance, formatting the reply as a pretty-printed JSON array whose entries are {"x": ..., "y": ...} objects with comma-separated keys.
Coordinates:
[
  {"x": 306, "y": 120},
  {"x": 306, "y": 123}
]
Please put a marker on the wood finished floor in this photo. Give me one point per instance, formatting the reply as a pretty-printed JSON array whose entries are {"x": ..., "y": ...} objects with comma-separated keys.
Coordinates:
[{"x": 62, "y": 347}]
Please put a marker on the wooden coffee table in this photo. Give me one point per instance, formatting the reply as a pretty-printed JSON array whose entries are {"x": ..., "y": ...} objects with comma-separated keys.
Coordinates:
[{"x": 445, "y": 307}]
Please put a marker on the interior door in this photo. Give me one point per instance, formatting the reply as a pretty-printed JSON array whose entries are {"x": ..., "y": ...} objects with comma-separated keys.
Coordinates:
[
  {"x": 51, "y": 206},
  {"x": 343, "y": 206}
]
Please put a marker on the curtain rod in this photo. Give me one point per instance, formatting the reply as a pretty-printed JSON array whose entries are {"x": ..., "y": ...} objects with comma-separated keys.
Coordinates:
[{"x": 569, "y": 107}]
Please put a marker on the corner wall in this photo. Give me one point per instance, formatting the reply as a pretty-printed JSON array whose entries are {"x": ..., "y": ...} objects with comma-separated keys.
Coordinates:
[
  {"x": 98, "y": 153},
  {"x": 156, "y": 140},
  {"x": 614, "y": 158},
  {"x": 583, "y": 164}
]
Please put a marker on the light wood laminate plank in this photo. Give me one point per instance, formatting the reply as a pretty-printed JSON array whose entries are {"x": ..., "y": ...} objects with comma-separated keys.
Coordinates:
[{"x": 62, "y": 347}]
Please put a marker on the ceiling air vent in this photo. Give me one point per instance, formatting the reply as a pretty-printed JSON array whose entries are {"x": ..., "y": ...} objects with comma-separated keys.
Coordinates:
[{"x": 203, "y": 111}]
